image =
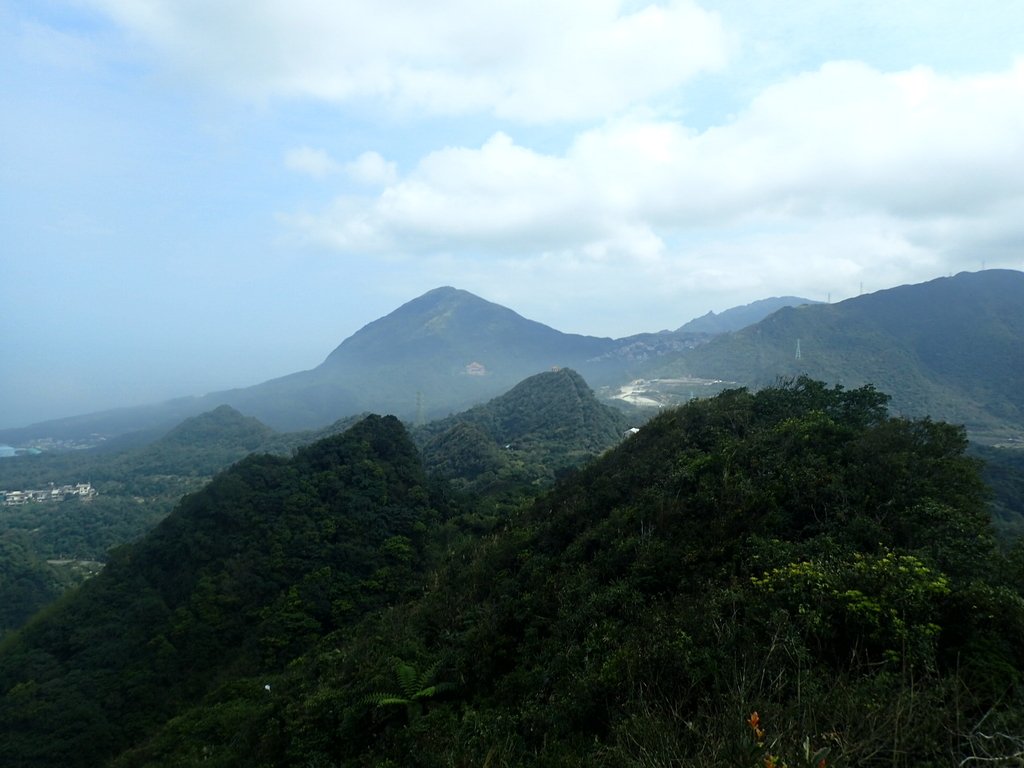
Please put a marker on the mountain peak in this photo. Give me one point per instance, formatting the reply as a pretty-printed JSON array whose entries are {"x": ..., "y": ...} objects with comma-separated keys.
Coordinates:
[
  {"x": 444, "y": 294},
  {"x": 441, "y": 313},
  {"x": 223, "y": 423},
  {"x": 737, "y": 318},
  {"x": 456, "y": 328},
  {"x": 445, "y": 291},
  {"x": 547, "y": 422}
]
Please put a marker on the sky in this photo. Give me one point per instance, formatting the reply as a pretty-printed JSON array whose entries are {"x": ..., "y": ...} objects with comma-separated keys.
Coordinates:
[{"x": 203, "y": 194}]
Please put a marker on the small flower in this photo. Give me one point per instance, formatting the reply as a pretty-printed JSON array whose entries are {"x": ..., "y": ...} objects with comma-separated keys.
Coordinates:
[{"x": 755, "y": 722}]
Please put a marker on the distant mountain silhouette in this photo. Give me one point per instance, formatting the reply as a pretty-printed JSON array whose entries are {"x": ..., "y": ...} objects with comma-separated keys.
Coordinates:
[
  {"x": 199, "y": 446},
  {"x": 740, "y": 317},
  {"x": 443, "y": 351},
  {"x": 452, "y": 324},
  {"x": 951, "y": 348},
  {"x": 222, "y": 426}
]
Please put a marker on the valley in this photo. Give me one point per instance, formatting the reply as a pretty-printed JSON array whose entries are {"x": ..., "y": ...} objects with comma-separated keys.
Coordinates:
[
  {"x": 511, "y": 385},
  {"x": 787, "y": 558},
  {"x": 368, "y": 588}
]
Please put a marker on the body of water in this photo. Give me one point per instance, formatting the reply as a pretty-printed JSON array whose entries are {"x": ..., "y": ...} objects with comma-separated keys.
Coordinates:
[{"x": 6, "y": 451}]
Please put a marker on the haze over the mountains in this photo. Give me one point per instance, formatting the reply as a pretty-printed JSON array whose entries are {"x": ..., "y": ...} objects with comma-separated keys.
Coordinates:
[
  {"x": 949, "y": 348},
  {"x": 201, "y": 196},
  {"x": 346, "y": 514},
  {"x": 404, "y": 344},
  {"x": 442, "y": 351}
]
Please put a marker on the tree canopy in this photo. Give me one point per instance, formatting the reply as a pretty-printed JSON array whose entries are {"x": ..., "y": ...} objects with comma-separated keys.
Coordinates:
[{"x": 783, "y": 576}]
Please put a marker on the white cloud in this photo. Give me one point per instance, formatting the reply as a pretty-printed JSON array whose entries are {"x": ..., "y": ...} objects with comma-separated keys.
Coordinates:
[
  {"x": 372, "y": 170},
  {"x": 911, "y": 143},
  {"x": 525, "y": 60},
  {"x": 500, "y": 198},
  {"x": 313, "y": 162},
  {"x": 841, "y": 173},
  {"x": 369, "y": 169},
  {"x": 844, "y": 138},
  {"x": 883, "y": 173}
]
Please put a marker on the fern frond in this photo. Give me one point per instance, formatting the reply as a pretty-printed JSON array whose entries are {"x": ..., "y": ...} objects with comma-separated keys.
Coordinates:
[
  {"x": 423, "y": 693},
  {"x": 408, "y": 680},
  {"x": 427, "y": 675},
  {"x": 381, "y": 699}
]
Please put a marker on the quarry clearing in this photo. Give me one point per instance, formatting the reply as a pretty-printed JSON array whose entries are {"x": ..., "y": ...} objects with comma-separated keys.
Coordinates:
[{"x": 657, "y": 393}]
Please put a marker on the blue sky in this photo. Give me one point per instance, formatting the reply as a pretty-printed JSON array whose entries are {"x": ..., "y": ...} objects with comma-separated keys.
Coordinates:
[{"x": 201, "y": 194}]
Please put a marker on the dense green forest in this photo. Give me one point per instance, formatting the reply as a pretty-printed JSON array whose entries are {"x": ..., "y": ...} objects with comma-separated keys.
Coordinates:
[
  {"x": 546, "y": 424},
  {"x": 949, "y": 348},
  {"x": 787, "y": 576},
  {"x": 1004, "y": 474},
  {"x": 50, "y": 546},
  {"x": 243, "y": 576},
  {"x": 543, "y": 426}
]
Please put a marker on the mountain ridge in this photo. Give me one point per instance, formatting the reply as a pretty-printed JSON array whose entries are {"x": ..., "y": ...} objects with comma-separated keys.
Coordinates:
[
  {"x": 737, "y": 318},
  {"x": 472, "y": 326},
  {"x": 949, "y": 348},
  {"x": 448, "y": 349},
  {"x": 796, "y": 552},
  {"x": 547, "y": 423}
]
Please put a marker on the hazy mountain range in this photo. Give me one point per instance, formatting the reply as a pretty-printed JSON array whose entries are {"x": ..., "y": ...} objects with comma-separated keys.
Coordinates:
[
  {"x": 950, "y": 348},
  {"x": 439, "y": 353},
  {"x": 740, "y": 317},
  {"x": 261, "y": 617}
]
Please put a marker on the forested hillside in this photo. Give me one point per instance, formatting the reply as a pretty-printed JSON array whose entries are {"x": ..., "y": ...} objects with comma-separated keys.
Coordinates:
[
  {"x": 950, "y": 349},
  {"x": 542, "y": 426},
  {"x": 1004, "y": 474},
  {"x": 518, "y": 441},
  {"x": 786, "y": 576},
  {"x": 243, "y": 577},
  {"x": 48, "y": 546}
]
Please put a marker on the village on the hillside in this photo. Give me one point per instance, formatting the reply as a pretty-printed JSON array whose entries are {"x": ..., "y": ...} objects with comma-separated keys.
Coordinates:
[{"x": 53, "y": 493}]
